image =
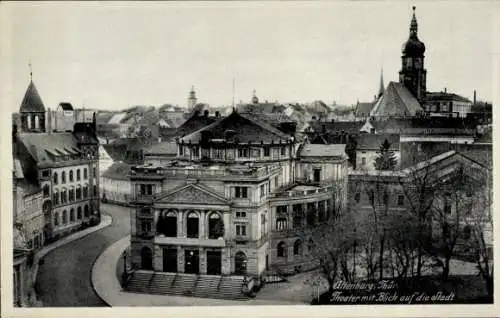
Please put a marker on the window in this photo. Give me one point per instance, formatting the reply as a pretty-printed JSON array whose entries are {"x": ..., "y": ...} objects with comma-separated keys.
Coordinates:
[
  {"x": 181, "y": 151},
  {"x": 85, "y": 174},
  {"x": 317, "y": 175},
  {"x": 241, "y": 230},
  {"x": 262, "y": 190},
  {"x": 72, "y": 195},
  {"x": 85, "y": 192},
  {"x": 28, "y": 118},
  {"x": 56, "y": 219},
  {"x": 71, "y": 176},
  {"x": 275, "y": 182},
  {"x": 196, "y": 151},
  {"x": 192, "y": 225},
  {"x": 64, "y": 196},
  {"x": 79, "y": 192},
  {"x": 94, "y": 172},
  {"x": 63, "y": 177},
  {"x": 297, "y": 215},
  {"x": 146, "y": 189},
  {"x": 218, "y": 153},
  {"x": 77, "y": 174},
  {"x": 79, "y": 213},
  {"x": 55, "y": 197},
  {"x": 263, "y": 223},
  {"x": 281, "y": 249},
  {"x": 72, "y": 215},
  {"x": 167, "y": 223},
  {"x": 386, "y": 198},
  {"x": 297, "y": 247},
  {"x": 215, "y": 226},
  {"x": 241, "y": 214},
  {"x": 371, "y": 197},
  {"x": 95, "y": 190},
  {"x": 243, "y": 153},
  {"x": 145, "y": 226},
  {"x": 46, "y": 190},
  {"x": 283, "y": 151},
  {"x": 37, "y": 122},
  {"x": 267, "y": 151},
  {"x": 55, "y": 178},
  {"x": 467, "y": 232},
  {"x": 401, "y": 200},
  {"x": 363, "y": 161},
  {"x": 241, "y": 192},
  {"x": 64, "y": 217},
  {"x": 281, "y": 224},
  {"x": 45, "y": 173},
  {"x": 357, "y": 197},
  {"x": 447, "y": 207},
  {"x": 86, "y": 211}
]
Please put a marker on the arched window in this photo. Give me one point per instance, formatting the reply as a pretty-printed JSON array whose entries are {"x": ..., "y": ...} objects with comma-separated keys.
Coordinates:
[
  {"x": 56, "y": 180},
  {"x": 215, "y": 226},
  {"x": 297, "y": 247},
  {"x": 28, "y": 121},
  {"x": 78, "y": 192},
  {"x": 311, "y": 217},
  {"x": 46, "y": 206},
  {"x": 63, "y": 177},
  {"x": 72, "y": 215},
  {"x": 146, "y": 258},
  {"x": 240, "y": 263},
  {"x": 86, "y": 211},
  {"x": 281, "y": 224},
  {"x": 37, "y": 122},
  {"x": 79, "y": 213},
  {"x": 55, "y": 197},
  {"x": 85, "y": 192},
  {"x": 167, "y": 224},
  {"x": 281, "y": 249},
  {"x": 77, "y": 174},
  {"x": 192, "y": 227},
  {"x": 56, "y": 219},
  {"x": 71, "y": 176},
  {"x": 46, "y": 190},
  {"x": 64, "y": 217}
]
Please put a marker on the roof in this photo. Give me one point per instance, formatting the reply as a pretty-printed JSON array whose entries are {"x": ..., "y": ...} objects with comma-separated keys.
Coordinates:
[
  {"x": 117, "y": 118},
  {"x": 363, "y": 109},
  {"x": 246, "y": 129},
  {"x": 32, "y": 102},
  {"x": 66, "y": 106},
  {"x": 274, "y": 119},
  {"x": 17, "y": 169},
  {"x": 43, "y": 147},
  {"x": 443, "y": 96},
  {"x": 415, "y": 125},
  {"x": 104, "y": 117},
  {"x": 117, "y": 171},
  {"x": 261, "y": 107},
  {"x": 164, "y": 148},
  {"x": 374, "y": 141},
  {"x": 397, "y": 101},
  {"x": 351, "y": 127},
  {"x": 313, "y": 150},
  {"x": 195, "y": 123},
  {"x": 28, "y": 187}
]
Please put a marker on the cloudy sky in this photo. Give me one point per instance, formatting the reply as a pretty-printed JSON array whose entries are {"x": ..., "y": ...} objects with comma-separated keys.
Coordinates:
[{"x": 115, "y": 55}]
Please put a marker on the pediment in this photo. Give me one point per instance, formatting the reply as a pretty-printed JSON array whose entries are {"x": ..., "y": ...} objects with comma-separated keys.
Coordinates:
[{"x": 192, "y": 194}]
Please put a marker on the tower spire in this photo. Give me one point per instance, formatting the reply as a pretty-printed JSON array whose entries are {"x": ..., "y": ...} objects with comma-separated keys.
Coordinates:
[
  {"x": 31, "y": 71},
  {"x": 381, "y": 87},
  {"x": 413, "y": 24}
]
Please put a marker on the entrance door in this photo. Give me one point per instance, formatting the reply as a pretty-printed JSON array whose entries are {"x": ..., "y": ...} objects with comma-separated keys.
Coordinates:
[
  {"x": 191, "y": 262},
  {"x": 214, "y": 260},
  {"x": 170, "y": 260},
  {"x": 146, "y": 258}
]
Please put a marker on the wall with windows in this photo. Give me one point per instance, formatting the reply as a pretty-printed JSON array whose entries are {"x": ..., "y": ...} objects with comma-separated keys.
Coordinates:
[
  {"x": 365, "y": 159},
  {"x": 327, "y": 170}
]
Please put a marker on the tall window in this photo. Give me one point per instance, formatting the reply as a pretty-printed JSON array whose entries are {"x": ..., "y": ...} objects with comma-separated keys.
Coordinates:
[
  {"x": 28, "y": 119},
  {"x": 267, "y": 151},
  {"x": 241, "y": 230},
  {"x": 64, "y": 217},
  {"x": 79, "y": 213},
  {"x": 37, "y": 122},
  {"x": 55, "y": 197},
  {"x": 401, "y": 200},
  {"x": 243, "y": 153},
  {"x": 281, "y": 249},
  {"x": 262, "y": 191},
  {"x": 77, "y": 174},
  {"x": 215, "y": 226},
  {"x": 86, "y": 211},
  {"x": 283, "y": 151},
  {"x": 63, "y": 177},
  {"x": 55, "y": 178},
  {"x": 297, "y": 215},
  {"x": 297, "y": 247},
  {"x": 95, "y": 190},
  {"x": 79, "y": 192},
  {"x": 85, "y": 174},
  {"x": 281, "y": 224},
  {"x": 196, "y": 151},
  {"x": 192, "y": 225},
  {"x": 72, "y": 215},
  {"x": 71, "y": 176},
  {"x": 357, "y": 197},
  {"x": 46, "y": 191},
  {"x": 371, "y": 197},
  {"x": 56, "y": 219},
  {"x": 167, "y": 224},
  {"x": 85, "y": 192}
]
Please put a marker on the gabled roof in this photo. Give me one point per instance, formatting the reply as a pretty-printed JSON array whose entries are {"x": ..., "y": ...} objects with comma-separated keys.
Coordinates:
[
  {"x": 374, "y": 141},
  {"x": 32, "y": 102},
  {"x": 443, "y": 96},
  {"x": 43, "y": 146},
  {"x": 193, "y": 193},
  {"x": 397, "y": 101},
  {"x": 317, "y": 150},
  {"x": 195, "y": 123},
  {"x": 363, "y": 109},
  {"x": 244, "y": 130}
]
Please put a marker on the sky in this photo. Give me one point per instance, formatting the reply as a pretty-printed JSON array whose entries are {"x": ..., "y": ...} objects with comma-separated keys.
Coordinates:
[{"x": 115, "y": 55}]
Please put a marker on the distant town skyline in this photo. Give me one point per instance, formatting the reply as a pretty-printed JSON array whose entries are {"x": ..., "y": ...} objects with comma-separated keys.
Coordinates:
[{"x": 117, "y": 55}]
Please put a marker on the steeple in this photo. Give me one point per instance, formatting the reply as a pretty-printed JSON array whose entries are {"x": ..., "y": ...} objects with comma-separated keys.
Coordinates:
[
  {"x": 255, "y": 99},
  {"x": 381, "y": 86},
  {"x": 413, "y": 23},
  {"x": 32, "y": 110},
  {"x": 192, "y": 98}
]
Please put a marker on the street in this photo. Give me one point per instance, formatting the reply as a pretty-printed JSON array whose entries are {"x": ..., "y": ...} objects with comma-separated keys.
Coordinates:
[{"x": 64, "y": 277}]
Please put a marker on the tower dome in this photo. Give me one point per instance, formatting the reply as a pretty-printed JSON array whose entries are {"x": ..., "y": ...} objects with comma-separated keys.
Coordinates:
[{"x": 413, "y": 46}]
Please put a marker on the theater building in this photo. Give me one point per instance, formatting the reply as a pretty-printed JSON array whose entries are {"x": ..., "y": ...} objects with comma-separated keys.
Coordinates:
[{"x": 230, "y": 200}]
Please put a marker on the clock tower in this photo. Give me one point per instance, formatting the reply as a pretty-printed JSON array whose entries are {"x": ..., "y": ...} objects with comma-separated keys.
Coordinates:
[{"x": 413, "y": 74}]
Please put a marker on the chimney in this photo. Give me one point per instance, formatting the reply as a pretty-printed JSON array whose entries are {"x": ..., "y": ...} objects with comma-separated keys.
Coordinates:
[
  {"x": 474, "y": 97},
  {"x": 445, "y": 89}
]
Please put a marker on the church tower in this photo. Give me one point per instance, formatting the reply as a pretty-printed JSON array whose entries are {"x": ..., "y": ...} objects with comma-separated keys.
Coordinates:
[
  {"x": 413, "y": 74},
  {"x": 32, "y": 110},
  {"x": 191, "y": 99}
]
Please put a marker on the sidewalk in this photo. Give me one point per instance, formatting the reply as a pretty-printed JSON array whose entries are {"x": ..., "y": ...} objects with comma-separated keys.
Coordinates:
[
  {"x": 106, "y": 221},
  {"x": 107, "y": 286}
]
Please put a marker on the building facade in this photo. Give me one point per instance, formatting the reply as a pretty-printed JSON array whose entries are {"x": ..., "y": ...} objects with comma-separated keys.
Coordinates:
[
  {"x": 64, "y": 165},
  {"x": 228, "y": 201}
]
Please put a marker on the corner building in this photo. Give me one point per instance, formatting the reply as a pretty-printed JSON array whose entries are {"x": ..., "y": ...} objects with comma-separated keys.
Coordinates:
[{"x": 233, "y": 200}]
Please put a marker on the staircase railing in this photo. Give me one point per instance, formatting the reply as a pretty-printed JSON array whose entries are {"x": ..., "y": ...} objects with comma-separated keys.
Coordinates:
[
  {"x": 151, "y": 279},
  {"x": 198, "y": 277},
  {"x": 174, "y": 280},
  {"x": 220, "y": 282}
]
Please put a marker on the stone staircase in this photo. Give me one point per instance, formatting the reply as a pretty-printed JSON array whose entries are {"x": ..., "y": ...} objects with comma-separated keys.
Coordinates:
[{"x": 205, "y": 286}]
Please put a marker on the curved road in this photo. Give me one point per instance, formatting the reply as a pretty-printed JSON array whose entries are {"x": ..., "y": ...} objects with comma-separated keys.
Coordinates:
[{"x": 64, "y": 280}]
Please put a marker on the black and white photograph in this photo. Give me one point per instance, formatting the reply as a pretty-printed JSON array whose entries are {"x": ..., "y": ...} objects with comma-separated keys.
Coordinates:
[{"x": 316, "y": 155}]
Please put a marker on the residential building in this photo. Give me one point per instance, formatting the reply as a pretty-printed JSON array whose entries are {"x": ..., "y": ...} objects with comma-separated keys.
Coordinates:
[
  {"x": 447, "y": 105},
  {"x": 368, "y": 149}
]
